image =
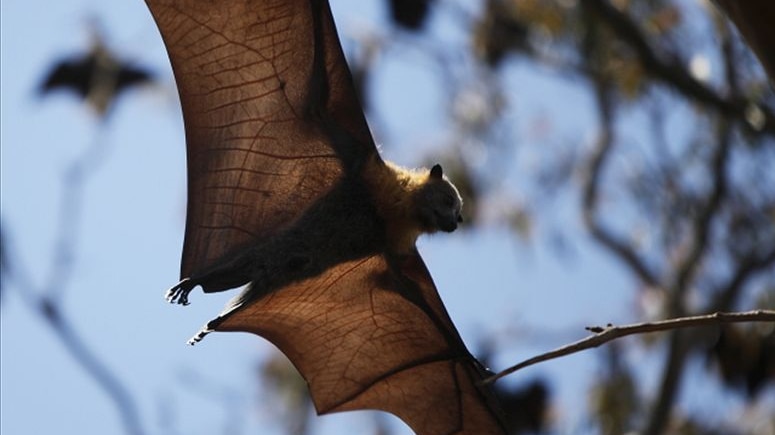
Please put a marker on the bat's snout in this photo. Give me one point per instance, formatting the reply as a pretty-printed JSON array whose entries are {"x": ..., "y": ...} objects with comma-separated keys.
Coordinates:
[{"x": 448, "y": 226}]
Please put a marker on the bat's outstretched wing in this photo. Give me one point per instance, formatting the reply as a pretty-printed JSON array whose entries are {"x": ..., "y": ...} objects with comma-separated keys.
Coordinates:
[
  {"x": 275, "y": 135},
  {"x": 373, "y": 334},
  {"x": 272, "y": 120}
]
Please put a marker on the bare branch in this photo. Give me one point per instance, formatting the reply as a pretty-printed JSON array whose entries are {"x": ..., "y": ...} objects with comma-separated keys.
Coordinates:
[{"x": 604, "y": 334}]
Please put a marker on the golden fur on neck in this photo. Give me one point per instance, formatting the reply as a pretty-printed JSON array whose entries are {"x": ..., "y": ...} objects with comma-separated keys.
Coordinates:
[{"x": 393, "y": 189}]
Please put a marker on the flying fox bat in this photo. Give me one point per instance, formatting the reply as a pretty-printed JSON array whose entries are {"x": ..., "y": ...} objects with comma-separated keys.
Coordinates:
[
  {"x": 288, "y": 194},
  {"x": 97, "y": 77}
]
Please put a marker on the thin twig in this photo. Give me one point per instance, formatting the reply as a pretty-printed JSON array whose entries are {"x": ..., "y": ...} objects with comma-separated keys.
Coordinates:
[{"x": 604, "y": 334}]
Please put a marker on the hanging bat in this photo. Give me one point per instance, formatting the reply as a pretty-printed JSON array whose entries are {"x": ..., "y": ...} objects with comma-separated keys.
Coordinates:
[{"x": 288, "y": 194}]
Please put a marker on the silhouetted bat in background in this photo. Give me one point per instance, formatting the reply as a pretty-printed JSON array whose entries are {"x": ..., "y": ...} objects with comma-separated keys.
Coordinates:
[
  {"x": 287, "y": 194},
  {"x": 97, "y": 77}
]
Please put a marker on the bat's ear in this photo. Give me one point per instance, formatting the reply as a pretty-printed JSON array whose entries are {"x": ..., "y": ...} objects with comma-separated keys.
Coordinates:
[{"x": 436, "y": 171}]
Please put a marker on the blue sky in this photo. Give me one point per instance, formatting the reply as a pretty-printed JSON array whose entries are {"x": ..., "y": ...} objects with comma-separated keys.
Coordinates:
[{"x": 130, "y": 237}]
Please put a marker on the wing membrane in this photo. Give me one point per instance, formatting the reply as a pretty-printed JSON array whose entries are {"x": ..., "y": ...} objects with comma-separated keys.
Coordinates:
[
  {"x": 370, "y": 334},
  {"x": 271, "y": 117}
]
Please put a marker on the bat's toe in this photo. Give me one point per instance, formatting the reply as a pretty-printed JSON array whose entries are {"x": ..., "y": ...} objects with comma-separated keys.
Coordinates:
[
  {"x": 178, "y": 294},
  {"x": 200, "y": 335}
]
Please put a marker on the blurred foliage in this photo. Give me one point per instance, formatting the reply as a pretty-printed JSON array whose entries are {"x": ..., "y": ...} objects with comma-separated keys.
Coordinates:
[
  {"x": 411, "y": 14},
  {"x": 289, "y": 395},
  {"x": 500, "y": 30},
  {"x": 526, "y": 408},
  {"x": 615, "y": 398},
  {"x": 745, "y": 357}
]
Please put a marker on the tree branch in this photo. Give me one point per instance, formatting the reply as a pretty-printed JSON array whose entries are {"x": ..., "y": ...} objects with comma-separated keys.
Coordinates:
[
  {"x": 604, "y": 334},
  {"x": 591, "y": 188},
  {"x": 701, "y": 223}
]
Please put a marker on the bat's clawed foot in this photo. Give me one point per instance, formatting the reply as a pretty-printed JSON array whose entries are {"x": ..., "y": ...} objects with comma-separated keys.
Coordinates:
[
  {"x": 178, "y": 294},
  {"x": 200, "y": 335},
  {"x": 209, "y": 327}
]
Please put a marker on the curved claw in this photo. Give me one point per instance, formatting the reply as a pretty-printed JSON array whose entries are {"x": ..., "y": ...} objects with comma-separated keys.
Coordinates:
[
  {"x": 212, "y": 324},
  {"x": 179, "y": 292},
  {"x": 200, "y": 335}
]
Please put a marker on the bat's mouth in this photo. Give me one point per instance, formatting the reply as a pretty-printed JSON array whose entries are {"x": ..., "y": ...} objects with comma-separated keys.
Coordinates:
[{"x": 445, "y": 224}]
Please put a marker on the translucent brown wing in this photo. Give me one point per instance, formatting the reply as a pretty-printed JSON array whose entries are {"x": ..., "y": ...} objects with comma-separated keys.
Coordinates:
[
  {"x": 272, "y": 120},
  {"x": 374, "y": 334}
]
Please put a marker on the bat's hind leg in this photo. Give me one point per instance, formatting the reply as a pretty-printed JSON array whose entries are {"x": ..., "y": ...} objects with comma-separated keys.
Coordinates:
[
  {"x": 231, "y": 307},
  {"x": 201, "y": 334},
  {"x": 210, "y": 327},
  {"x": 179, "y": 292}
]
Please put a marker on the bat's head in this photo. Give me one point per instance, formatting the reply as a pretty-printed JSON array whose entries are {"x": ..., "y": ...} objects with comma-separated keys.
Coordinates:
[{"x": 439, "y": 203}]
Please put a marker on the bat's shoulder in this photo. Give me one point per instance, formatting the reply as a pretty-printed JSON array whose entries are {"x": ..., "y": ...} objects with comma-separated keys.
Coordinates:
[{"x": 388, "y": 180}]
